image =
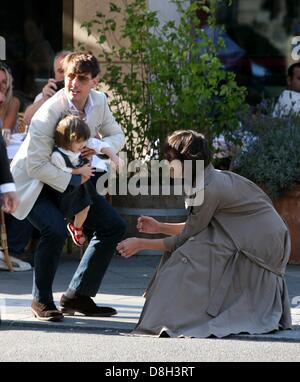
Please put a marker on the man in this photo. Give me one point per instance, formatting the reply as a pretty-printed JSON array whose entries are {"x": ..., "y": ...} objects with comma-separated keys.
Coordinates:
[
  {"x": 289, "y": 100},
  {"x": 35, "y": 178},
  {"x": 49, "y": 89},
  {"x": 10, "y": 200}
]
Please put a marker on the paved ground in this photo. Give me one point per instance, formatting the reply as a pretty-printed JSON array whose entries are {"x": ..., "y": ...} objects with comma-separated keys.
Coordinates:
[{"x": 122, "y": 288}]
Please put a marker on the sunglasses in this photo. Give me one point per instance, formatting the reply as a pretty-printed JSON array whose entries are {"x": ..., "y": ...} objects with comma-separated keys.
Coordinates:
[{"x": 81, "y": 77}]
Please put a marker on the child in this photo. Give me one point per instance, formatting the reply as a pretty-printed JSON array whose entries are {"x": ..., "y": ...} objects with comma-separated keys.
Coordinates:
[{"x": 71, "y": 136}]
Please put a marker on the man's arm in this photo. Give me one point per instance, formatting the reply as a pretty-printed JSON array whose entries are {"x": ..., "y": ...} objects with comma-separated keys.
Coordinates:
[
  {"x": 111, "y": 132},
  {"x": 31, "y": 110},
  {"x": 48, "y": 91},
  {"x": 40, "y": 142}
]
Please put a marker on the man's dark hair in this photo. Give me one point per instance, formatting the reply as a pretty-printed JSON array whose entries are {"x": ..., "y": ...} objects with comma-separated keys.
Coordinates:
[
  {"x": 71, "y": 129},
  {"x": 79, "y": 63},
  {"x": 291, "y": 69}
]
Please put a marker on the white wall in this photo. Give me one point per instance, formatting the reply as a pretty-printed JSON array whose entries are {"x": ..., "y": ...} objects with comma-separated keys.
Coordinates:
[{"x": 166, "y": 10}]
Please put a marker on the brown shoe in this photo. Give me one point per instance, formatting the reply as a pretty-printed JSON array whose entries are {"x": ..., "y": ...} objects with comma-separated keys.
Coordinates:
[
  {"x": 84, "y": 305},
  {"x": 46, "y": 312}
]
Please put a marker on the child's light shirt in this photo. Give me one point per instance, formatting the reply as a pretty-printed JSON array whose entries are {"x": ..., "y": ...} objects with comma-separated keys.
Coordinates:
[{"x": 58, "y": 160}]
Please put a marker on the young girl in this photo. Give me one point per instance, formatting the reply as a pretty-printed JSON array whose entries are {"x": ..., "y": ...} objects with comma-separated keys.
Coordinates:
[{"x": 71, "y": 136}]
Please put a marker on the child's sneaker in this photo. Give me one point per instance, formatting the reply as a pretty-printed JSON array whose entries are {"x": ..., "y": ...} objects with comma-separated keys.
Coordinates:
[{"x": 77, "y": 235}]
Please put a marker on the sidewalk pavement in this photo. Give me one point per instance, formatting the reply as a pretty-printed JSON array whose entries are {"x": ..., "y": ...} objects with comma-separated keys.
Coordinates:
[{"x": 122, "y": 288}]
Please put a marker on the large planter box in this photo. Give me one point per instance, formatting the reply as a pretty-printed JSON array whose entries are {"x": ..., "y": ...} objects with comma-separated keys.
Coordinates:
[
  {"x": 288, "y": 206},
  {"x": 165, "y": 208}
]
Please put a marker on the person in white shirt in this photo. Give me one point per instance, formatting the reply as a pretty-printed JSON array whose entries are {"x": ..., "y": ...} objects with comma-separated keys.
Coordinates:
[{"x": 289, "y": 100}]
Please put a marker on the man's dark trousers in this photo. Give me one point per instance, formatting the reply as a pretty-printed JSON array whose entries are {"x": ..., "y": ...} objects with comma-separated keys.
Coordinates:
[{"x": 108, "y": 229}]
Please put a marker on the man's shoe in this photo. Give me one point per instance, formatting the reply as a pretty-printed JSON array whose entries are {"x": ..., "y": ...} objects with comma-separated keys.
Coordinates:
[
  {"x": 46, "y": 312},
  {"x": 84, "y": 305}
]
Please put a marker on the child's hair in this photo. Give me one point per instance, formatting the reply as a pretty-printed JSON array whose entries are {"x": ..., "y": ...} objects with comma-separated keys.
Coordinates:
[{"x": 71, "y": 129}]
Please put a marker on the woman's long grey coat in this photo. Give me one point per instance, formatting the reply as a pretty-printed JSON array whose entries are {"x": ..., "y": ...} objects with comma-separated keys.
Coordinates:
[{"x": 224, "y": 272}]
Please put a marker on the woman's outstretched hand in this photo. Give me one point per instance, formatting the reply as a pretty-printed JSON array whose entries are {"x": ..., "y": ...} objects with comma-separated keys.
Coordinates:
[
  {"x": 146, "y": 224},
  {"x": 129, "y": 247}
]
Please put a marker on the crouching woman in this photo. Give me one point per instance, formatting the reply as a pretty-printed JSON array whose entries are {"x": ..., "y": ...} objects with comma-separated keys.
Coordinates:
[{"x": 223, "y": 269}]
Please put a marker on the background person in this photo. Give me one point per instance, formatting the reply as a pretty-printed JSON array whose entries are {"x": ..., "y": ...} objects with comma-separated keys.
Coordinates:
[
  {"x": 9, "y": 105},
  {"x": 10, "y": 200},
  {"x": 18, "y": 232},
  {"x": 223, "y": 270},
  {"x": 49, "y": 89},
  {"x": 289, "y": 100}
]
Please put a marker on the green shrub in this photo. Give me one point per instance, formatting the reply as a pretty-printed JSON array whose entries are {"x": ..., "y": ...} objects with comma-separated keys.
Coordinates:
[
  {"x": 165, "y": 77},
  {"x": 273, "y": 159}
]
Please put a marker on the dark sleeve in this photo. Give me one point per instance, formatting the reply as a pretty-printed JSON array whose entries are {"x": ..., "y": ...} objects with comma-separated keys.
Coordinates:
[{"x": 5, "y": 174}]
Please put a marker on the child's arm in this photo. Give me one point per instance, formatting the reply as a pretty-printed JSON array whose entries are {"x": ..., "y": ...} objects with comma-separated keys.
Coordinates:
[
  {"x": 58, "y": 161},
  {"x": 85, "y": 170}
]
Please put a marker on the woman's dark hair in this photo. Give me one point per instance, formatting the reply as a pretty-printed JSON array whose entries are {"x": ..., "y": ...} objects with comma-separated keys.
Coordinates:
[
  {"x": 71, "y": 129},
  {"x": 187, "y": 145}
]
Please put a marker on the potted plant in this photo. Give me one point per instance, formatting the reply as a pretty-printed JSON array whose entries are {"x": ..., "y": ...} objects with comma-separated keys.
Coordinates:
[{"x": 272, "y": 161}]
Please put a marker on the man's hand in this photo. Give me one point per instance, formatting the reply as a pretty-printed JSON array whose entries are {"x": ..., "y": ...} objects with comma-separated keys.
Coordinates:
[
  {"x": 10, "y": 202},
  {"x": 117, "y": 163},
  {"x": 87, "y": 153},
  {"x": 50, "y": 89}
]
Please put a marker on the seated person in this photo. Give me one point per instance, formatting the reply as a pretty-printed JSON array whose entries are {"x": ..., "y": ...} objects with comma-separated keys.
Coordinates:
[
  {"x": 289, "y": 100},
  {"x": 9, "y": 105},
  {"x": 53, "y": 85},
  {"x": 18, "y": 232}
]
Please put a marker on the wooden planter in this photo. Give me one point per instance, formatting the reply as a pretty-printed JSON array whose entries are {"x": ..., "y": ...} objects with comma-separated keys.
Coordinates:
[
  {"x": 163, "y": 208},
  {"x": 171, "y": 209},
  {"x": 288, "y": 206}
]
